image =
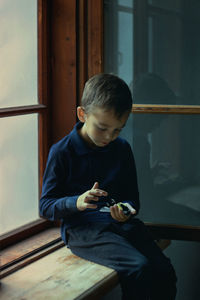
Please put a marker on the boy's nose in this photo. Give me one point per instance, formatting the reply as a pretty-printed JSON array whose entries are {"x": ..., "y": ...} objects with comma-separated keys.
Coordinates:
[{"x": 109, "y": 136}]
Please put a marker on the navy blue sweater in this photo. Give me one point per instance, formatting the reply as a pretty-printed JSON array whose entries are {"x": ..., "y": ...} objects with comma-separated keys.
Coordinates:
[{"x": 73, "y": 168}]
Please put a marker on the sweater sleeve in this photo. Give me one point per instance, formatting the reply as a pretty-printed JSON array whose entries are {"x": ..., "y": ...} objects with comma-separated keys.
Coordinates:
[
  {"x": 54, "y": 204},
  {"x": 129, "y": 179}
]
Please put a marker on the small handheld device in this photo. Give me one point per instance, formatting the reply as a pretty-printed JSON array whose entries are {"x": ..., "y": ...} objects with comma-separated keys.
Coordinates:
[
  {"x": 126, "y": 207},
  {"x": 110, "y": 202}
]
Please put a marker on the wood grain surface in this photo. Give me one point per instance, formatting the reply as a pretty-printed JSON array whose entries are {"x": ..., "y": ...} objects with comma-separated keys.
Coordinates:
[{"x": 60, "y": 275}]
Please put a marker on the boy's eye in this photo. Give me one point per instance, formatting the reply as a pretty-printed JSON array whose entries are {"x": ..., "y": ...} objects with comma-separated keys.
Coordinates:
[
  {"x": 100, "y": 128},
  {"x": 118, "y": 130}
]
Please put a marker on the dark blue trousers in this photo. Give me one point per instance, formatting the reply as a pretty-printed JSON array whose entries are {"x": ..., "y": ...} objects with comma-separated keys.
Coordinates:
[{"x": 144, "y": 271}]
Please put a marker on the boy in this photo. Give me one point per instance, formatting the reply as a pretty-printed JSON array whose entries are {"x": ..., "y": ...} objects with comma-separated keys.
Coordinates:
[{"x": 88, "y": 169}]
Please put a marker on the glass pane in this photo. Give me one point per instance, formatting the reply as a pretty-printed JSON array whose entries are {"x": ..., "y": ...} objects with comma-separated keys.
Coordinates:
[
  {"x": 18, "y": 58},
  {"x": 166, "y": 150},
  {"x": 169, "y": 4},
  {"x": 166, "y": 147},
  {"x": 174, "y": 51},
  {"x": 19, "y": 171},
  {"x": 119, "y": 50},
  {"x": 126, "y": 3}
]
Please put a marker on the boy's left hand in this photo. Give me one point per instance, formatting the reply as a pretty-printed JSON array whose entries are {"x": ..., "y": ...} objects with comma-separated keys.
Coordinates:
[{"x": 118, "y": 214}]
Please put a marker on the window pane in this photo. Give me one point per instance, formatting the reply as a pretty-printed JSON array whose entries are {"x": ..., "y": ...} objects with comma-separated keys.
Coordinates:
[
  {"x": 126, "y": 3},
  {"x": 174, "y": 51},
  {"x": 19, "y": 171},
  {"x": 18, "y": 56},
  {"x": 169, "y": 4},
  {"x": 119, "y": 46},
  {"x": 166, "y": 150}
]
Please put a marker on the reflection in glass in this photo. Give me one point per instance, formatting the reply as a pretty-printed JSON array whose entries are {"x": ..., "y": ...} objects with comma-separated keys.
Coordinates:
[
  {"x": 19, "y": 171},
  {"x": 172, "y": 45},
  {"x": 150, "y": 88},
  {"x": 169, "y": 4},
  {"x": 166, "y": 147},
  {"x": 118, "y": 34},
  {"x": 126, "y": 3},
  {"x": 18, "y": 59},
  {"x": 166, "y": 150}
]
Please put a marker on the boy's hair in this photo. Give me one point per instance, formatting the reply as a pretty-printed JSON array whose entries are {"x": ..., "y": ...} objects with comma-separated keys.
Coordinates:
[{"x": 107, "y": 91}]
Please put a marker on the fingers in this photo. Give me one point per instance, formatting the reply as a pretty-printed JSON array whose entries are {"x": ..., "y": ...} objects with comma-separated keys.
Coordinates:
[
  {"x": 89, "y": 205},
  {"x": 118, "y": 214},
  {"x": 84, "y": 200},
  {"x": 96, "y": 191},
  {"x": 132, "y": 210},
  {"x": 90, "y": 197},
  {"x": 96, "y": 185}
]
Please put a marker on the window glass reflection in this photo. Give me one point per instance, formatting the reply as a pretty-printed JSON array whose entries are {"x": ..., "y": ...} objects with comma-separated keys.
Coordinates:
[
  {"x": 170, "y": 45},
  {"x": 166, "y": 150},
  {"x": 169, "y": 4},
  {"x": 119, "y": 42}
]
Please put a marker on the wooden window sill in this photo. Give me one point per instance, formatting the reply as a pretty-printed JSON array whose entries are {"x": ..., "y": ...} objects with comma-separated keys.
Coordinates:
[
  {"x": 22, "y": 253},
  {"x": 38, "y": 245}
]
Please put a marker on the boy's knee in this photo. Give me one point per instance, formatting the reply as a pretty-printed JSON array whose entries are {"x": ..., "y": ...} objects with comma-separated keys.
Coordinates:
[
  {"x": 141, "y": 271},
  {"x": 144, "y": 269}
]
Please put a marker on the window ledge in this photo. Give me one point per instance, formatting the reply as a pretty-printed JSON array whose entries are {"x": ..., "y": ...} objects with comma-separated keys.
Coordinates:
[
  {"x": 23, "y": 253},
  {"x": 33, "y": 248}
]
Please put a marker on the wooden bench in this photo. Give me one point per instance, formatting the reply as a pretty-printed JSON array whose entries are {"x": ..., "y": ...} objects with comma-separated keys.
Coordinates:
[{"x": 60, "y": 276}]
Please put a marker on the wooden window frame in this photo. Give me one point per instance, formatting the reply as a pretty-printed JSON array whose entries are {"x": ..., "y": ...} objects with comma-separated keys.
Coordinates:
[
  {"x": 57, "y": 101},
  {"x": 62, "y": 72},
  {"x": 42, "y": 109}
]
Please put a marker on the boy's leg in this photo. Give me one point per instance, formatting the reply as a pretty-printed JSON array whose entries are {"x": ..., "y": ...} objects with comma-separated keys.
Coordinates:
[
  {"x": 106, "y": 245},
  {"x": 163, "y": 285}
]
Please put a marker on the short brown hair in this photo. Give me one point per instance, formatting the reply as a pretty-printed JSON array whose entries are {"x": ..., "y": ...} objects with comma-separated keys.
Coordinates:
[{"x": 107, "y": 91}]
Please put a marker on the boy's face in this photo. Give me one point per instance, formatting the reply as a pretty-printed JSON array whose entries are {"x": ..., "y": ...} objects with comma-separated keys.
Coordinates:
[{"x": 100, "y": 126}]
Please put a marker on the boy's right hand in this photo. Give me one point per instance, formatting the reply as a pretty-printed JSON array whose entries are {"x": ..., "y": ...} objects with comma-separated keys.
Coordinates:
[{"x": 83, "y": 200}]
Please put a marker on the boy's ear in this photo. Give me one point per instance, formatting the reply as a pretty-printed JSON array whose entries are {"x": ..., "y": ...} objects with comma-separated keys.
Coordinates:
[{"x": 81, "y": 114}]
